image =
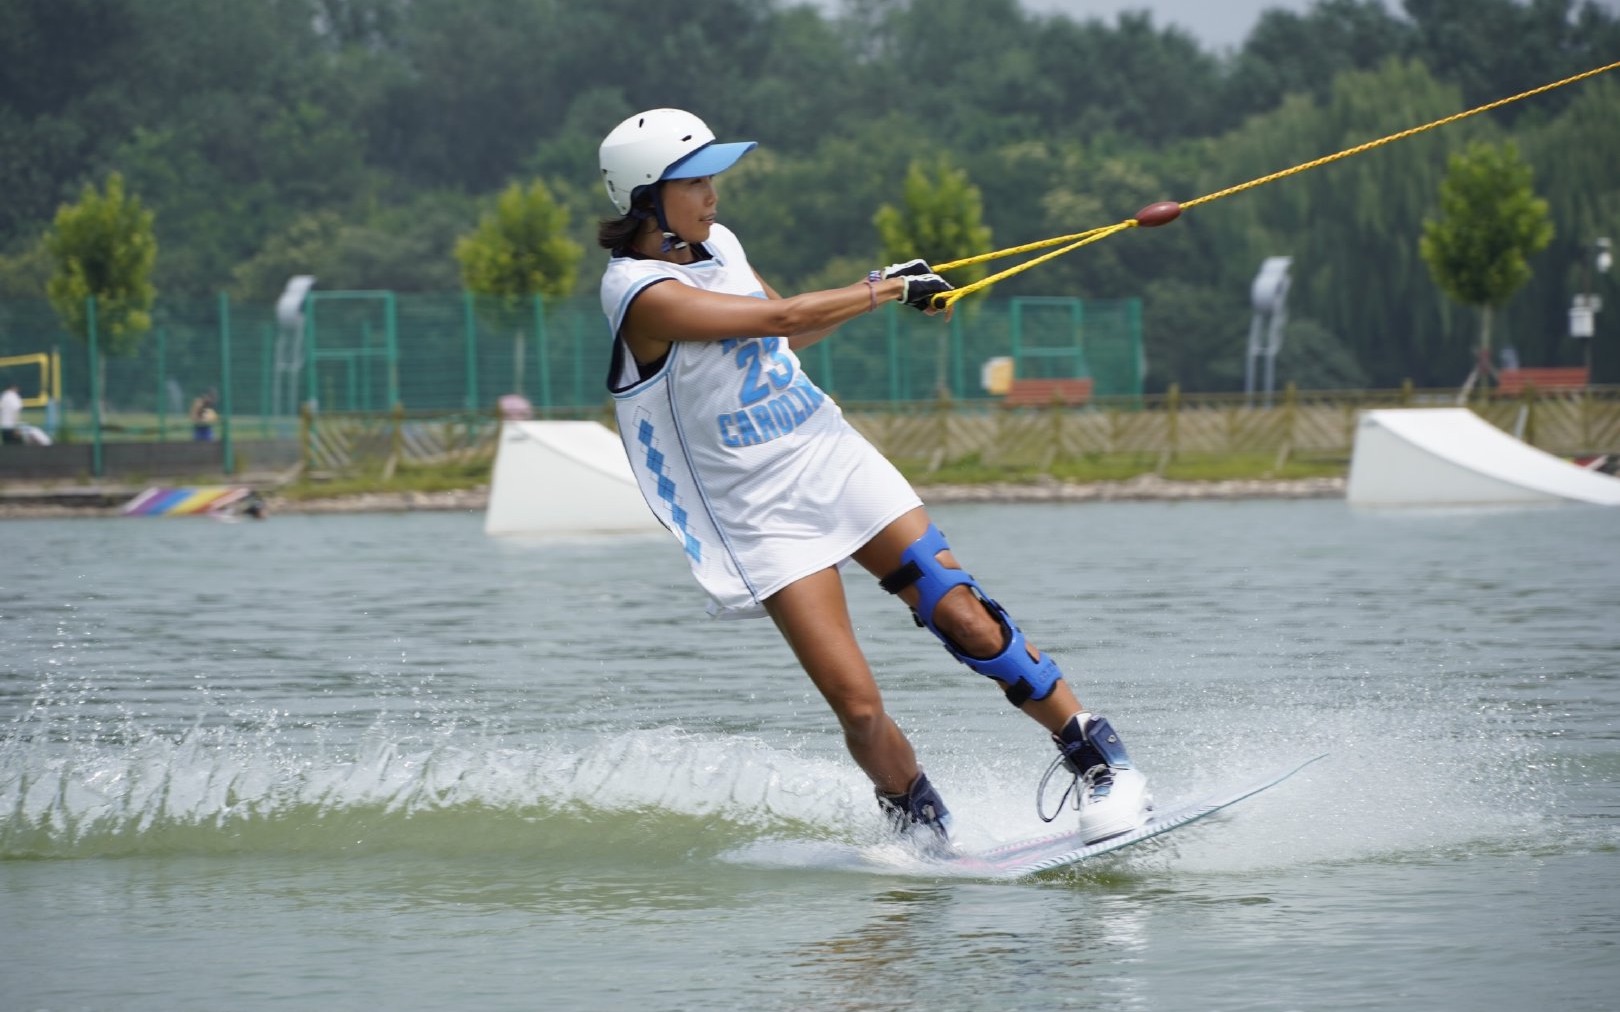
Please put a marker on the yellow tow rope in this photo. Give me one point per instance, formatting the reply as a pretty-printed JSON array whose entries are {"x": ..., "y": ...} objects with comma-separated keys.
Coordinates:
[{"x": 1166, "y": 211}]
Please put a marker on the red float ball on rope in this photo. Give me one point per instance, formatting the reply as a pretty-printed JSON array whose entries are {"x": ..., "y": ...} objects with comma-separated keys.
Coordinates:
[{"x": 1162, "y": 213}]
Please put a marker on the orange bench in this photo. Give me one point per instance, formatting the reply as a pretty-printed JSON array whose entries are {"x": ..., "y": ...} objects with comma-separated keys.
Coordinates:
[
  {"x": 1513, "y": 381},
  {"x": 1040, "y": 393}
]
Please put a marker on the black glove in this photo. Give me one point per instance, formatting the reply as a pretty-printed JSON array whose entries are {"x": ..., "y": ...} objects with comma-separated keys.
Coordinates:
[
  {"x": 921, "y": 288},
  {"x": 910, "y": 267}
]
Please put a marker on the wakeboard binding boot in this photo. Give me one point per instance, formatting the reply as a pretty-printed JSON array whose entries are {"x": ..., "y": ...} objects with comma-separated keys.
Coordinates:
[
  {"x": 919, "y": 814},
  {"x": 1110, "y": 793}
]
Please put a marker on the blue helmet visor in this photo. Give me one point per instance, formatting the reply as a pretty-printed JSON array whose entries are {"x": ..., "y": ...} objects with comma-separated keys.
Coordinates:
[{"x": 709, "y": 160}]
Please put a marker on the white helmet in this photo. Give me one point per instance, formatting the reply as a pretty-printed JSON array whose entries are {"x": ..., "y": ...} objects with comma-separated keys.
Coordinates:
[{"x": 661, "y": 144}]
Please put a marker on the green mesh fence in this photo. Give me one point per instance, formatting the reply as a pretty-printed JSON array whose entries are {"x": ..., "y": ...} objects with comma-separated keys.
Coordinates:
[
  {"x": 1113, "y": 341},
  {"x": 367, "y": 351}
]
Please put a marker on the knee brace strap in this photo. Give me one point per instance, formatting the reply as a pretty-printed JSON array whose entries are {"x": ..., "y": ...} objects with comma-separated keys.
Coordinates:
[{"x": 1021, "y": 678}]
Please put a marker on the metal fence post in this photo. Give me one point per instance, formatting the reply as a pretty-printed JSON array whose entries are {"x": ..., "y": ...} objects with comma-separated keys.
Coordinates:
[
  {"x": 891, "y": 324},
  {"x": 470, "y": 343},
  {"x": 162, "y": 413},
  {"x": 311, "y": 389},
  {"x": 1015, "y": 336},
  {"x": 391, "y": 334},
  {"x": 306, "y": 437},
  {"x": 396, "y": 449},
  {"x": 578, "y": 370},
  {"x": 96, "y": 467},
  {"x": 266, "y": 371},
  {"x": 543, "y": 367},
  {"x": 1290, "y": 424},
  {"x": 1529, "y": 396},
  {"x": 1172, "y": 407},
  {"x": 227, "y": 444},
  {"x": 958, "y": 381},
  {"x": 1586, "y": 416},
  {"x": 1133, "y": 315}
]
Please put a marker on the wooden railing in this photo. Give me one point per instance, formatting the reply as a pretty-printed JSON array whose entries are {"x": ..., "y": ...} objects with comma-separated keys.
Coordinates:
[
  {"x": 1318, "y": 424},
  {"x": 354, "y": 442}
]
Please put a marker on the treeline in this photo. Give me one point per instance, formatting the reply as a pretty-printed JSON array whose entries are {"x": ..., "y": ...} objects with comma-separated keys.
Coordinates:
[{"x": 357, "y": 139}]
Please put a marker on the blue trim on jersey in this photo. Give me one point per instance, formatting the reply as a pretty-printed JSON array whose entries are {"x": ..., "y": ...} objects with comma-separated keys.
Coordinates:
[
  {"x": 711, "y": 263},
  {"x": 630, "y": 296},
  {"x": 639, "y": 385}
]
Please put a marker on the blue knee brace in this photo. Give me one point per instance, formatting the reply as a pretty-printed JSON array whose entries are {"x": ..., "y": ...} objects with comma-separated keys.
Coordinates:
[{"x": 1021, "y": 679}]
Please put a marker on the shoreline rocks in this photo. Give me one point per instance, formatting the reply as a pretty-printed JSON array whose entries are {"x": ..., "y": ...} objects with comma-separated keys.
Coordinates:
[{"x": 1142, "y": 488}]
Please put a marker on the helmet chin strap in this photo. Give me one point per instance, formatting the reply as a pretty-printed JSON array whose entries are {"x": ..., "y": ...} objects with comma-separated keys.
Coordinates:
[{"x": 671, "y": 241}]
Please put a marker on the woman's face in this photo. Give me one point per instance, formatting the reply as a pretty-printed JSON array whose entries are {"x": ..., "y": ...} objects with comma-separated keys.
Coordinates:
[{"x": 689, "y": 207}]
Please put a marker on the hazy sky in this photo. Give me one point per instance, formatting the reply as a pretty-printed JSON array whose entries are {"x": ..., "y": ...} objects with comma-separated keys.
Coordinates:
[{"x": 1218, "y": 24}]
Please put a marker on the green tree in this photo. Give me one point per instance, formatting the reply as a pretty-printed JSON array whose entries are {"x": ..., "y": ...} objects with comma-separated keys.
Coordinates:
[
  {"x": 1352, "y": 227},
  {"x": 799, "y": 213},
  {"x": 65, "y": 90},
  {"x": 402, "y": 249},
  {"x": 242, "y": 126},
  {"x": 1491, "y": 222},
  {"x": 104, "y": 247},
  {"x": 1086, "y": 188},
  {"x": 1492, "y": 48},
  {"x": 25, "y": 275},
  {"x": 1574, "y": 156},
  {"x": 520, "y": 249},
  {"x": 940, "y": 218},
  {"x": 1300, "y": 53}
]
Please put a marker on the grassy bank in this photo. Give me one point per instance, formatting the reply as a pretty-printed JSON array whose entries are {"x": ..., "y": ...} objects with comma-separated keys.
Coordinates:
[
  {"x": 1120, "y": 467},
  {"x": 1117, "y": 467},
  {"x": 405, "y": 478}
]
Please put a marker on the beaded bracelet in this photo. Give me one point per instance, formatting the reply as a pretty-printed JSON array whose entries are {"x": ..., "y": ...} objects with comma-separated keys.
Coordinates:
[{"x": 872, "y": 278}]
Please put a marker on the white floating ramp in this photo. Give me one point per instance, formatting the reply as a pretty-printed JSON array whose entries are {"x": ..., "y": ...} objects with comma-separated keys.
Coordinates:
[
  {"x": 1452, "y": 457},
  {"x": 563, "y": 478}
]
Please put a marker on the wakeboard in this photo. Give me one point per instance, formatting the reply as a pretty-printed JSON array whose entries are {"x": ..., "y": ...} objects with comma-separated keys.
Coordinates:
[{"x": 1057, "y": 850}]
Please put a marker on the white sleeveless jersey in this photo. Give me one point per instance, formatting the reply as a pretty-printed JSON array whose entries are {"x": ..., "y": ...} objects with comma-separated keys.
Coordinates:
[{"x": 747, "y": 462}]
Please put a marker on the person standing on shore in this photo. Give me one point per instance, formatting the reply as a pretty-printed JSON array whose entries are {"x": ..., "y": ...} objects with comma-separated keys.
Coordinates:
[
  {"x": 769, "y": 491},
  {"x": 11, "y": 407},
  {"x": 203, "y": 417}
]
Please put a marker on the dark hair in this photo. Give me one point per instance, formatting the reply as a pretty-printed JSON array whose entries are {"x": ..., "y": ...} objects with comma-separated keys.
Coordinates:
[{"x": 616, "y": 234}]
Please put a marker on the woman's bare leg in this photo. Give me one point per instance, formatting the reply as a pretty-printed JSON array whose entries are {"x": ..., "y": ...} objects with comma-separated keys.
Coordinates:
[{"x": 813, "y": 617}]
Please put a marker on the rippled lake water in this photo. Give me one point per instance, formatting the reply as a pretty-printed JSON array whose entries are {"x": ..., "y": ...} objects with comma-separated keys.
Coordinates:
[{"x": 363, "y": 762}]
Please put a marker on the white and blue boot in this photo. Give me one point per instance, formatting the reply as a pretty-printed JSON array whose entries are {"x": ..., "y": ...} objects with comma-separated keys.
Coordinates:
[
  {"x": 919, "y": 809},
  {"x": 1112, "y": 795}
]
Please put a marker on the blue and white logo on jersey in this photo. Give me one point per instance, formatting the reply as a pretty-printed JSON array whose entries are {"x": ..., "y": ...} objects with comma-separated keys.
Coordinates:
[
  {"x": 667, "y": 489},
  {"x": 774, "y": 397}
]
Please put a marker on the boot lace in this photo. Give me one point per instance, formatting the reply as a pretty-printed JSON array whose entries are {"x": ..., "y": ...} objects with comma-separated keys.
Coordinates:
[{"x": 1079, "y": 783}]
